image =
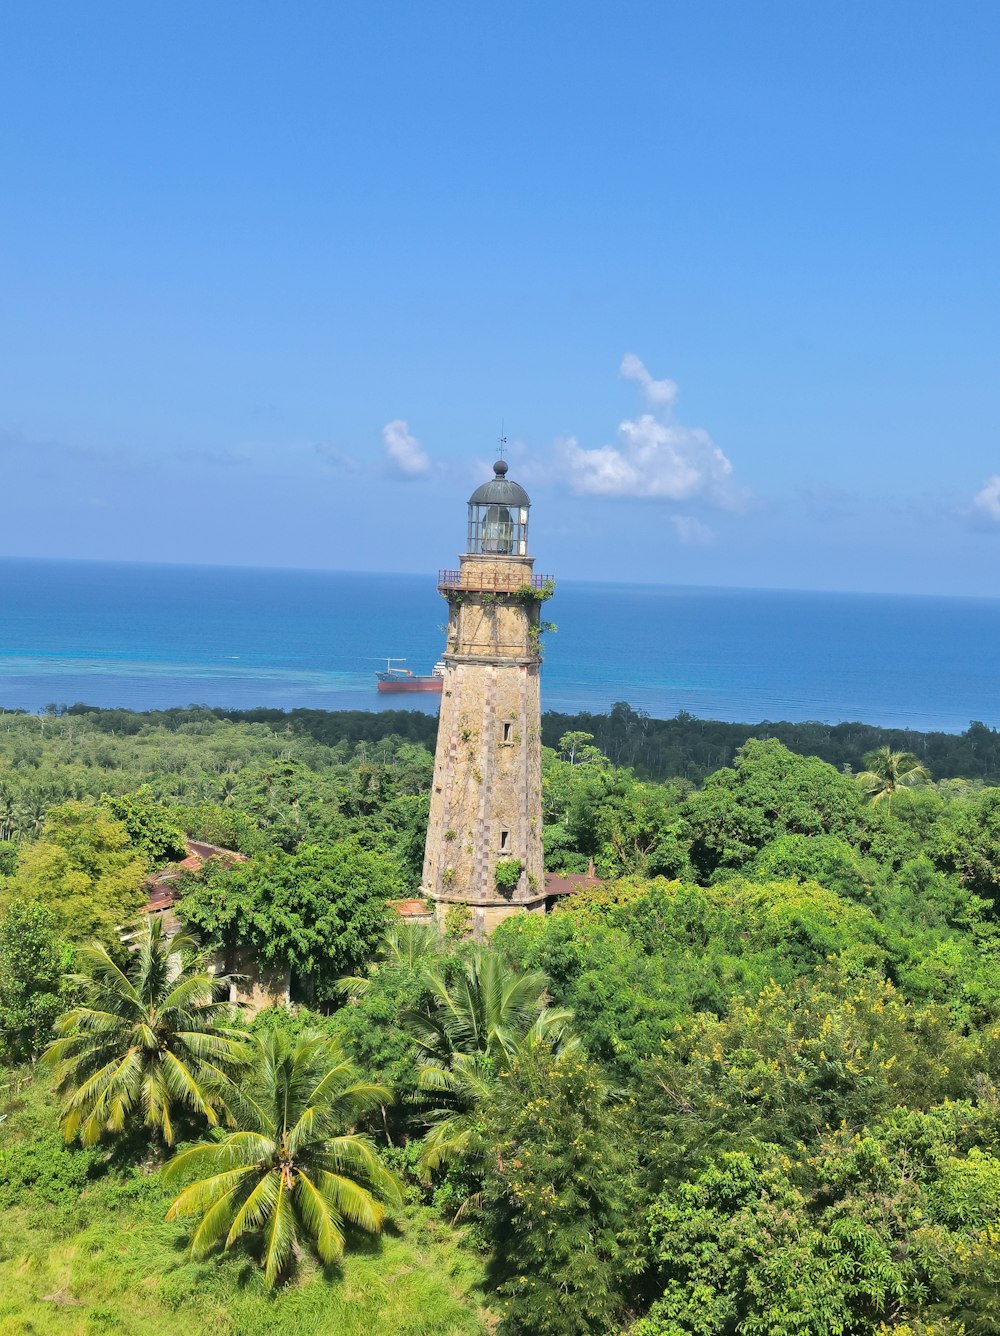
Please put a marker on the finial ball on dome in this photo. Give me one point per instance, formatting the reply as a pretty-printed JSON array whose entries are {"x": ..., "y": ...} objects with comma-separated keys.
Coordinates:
[{"x": 500, "y": 490}]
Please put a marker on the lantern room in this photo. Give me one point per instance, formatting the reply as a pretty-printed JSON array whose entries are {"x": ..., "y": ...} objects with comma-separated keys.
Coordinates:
[{"x": 498, "y": 516}]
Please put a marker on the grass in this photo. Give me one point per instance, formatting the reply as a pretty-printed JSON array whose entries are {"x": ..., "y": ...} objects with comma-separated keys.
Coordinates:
[{"x": 85, "y": 1251}]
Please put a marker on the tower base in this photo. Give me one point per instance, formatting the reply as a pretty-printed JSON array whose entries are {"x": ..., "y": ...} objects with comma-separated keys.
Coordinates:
[{"x": 485, "y": 915}]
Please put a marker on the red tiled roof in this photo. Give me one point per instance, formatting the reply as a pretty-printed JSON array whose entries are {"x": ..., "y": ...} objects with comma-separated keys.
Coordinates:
[
  {"x": 161, "y": 896},
  {"x": 566, "y": 883},
  {"x": 410, "y": 908},
  {"x": 160, "y": 886}
]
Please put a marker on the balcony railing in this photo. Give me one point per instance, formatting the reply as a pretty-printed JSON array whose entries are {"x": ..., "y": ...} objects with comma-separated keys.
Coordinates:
[{"x": 496, "y": 581}]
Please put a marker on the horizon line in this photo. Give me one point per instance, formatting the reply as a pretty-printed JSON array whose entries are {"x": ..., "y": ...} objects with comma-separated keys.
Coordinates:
[{"x": 412, "y": 575}]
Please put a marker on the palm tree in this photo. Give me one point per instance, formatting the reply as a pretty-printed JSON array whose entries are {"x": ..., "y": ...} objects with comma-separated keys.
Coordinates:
[
  {"x": 477, "y": 1025},
  {"x": 407, "y": 947},
  {"x": 8, "y": 813},
  {"x": 148, "y": 1039},
  {"x": 293, "y": 1168},
  {"x": 888, "y": 771},
  {"x": 32, "y": 811}
]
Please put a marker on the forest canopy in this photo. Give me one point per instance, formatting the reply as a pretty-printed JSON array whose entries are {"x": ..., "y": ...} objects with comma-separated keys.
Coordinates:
[{"x": 746, "y": 1083}]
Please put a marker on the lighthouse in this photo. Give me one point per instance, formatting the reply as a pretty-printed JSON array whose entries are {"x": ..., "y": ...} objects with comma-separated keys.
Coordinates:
[{"x": 484, "y": 835}]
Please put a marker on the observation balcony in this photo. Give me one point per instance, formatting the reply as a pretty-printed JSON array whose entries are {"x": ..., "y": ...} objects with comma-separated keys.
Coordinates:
[{"x": 493, "y": 580}]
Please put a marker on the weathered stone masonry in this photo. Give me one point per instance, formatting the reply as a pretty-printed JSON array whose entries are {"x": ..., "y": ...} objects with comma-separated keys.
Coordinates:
[{"x": 486, "y": 800}]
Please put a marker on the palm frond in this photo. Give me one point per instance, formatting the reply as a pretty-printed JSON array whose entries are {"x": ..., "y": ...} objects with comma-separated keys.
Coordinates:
[
  {"x": 203, "y": 1195},
  {"x": 352, "y": 1202},
  {"x": 258, "y": 1207},
  {"x": 279, "y": 1235},
  {"x": 215, "y": 1222},
  {"x": 353, "y": 987},
  {"x": 319, "y": 1219}
]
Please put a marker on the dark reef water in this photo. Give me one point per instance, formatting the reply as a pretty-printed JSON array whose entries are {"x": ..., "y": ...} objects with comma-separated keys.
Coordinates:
[{"x": 146, "y": 636}]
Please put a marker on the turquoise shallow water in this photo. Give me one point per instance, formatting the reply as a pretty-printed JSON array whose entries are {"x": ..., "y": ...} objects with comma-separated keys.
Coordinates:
[{"x": 153, "y": 636}]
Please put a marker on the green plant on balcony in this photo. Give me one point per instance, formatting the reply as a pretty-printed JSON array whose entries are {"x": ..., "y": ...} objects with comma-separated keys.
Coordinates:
[{"x": 529, "y": 594}]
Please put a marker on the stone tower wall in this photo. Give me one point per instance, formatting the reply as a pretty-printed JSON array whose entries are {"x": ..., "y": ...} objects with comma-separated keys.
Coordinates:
[{"x": 486, "y": 800}]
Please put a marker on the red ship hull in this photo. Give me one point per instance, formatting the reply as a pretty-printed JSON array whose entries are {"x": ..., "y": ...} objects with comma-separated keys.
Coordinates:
[{"x": 412, "y": 684}]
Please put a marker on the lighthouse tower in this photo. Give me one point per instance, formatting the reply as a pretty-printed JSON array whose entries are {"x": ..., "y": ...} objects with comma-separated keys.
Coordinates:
[{"x": 484, "y": 836}]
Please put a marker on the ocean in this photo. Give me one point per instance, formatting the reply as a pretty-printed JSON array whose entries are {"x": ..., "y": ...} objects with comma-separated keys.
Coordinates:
[{"x": 153, "y": 636}]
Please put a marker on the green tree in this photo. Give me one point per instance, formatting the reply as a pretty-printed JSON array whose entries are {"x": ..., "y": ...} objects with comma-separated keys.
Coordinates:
[
  {"x": 966, "y": 841},
  {"x": 892, "y": 1229},
  {"x": 768, "y": 792},
  {"x": 147, "y": 1042},
  {"x": 8, "y": 858},
  {"x": 398, "y": 830},
  {"x": 151, "y": 827},
  {"x": 10, "y": 824},
  {"x": 293, "y": 1169},
  {"x": 638, "y": 830},
  {"x": 576, "y": 748},
  {"x": 825, "y": 859},
  {"x": 826, "y": 1050},
  {"x": 739, "y": 1253},
  {"x": 371, "y": 1025},
  {"x": 285, "y": 801},
  {"x": 408, "y": 947},
  {"x": 560, "y": 1195},
  {"x": 886, "y": 771},
  {"x": 636, "y": 959},
  {"x": 84, "y": 871},
  {"x": 322, "y": 912},
  {"x": 30, "y": 980},
  {"x": 571, "y": 797}
]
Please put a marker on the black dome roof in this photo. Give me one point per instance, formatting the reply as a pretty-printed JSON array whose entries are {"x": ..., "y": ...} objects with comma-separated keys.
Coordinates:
[{"x": 499, "y": 491}]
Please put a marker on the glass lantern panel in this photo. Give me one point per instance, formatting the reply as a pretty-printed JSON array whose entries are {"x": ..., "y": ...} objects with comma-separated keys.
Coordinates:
[{"x": 498, "y": 531}]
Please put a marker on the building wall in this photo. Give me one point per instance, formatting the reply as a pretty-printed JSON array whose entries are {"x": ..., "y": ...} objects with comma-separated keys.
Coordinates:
[
  {"x": 257, "y": 986},
  {"x": 486, "y": 800},
  {"x": 254, "y": 986}
]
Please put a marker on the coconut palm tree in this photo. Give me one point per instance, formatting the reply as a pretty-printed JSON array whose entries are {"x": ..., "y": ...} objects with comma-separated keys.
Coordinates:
[
  {"x": 32, "y": 811},
  {"x": 407, "y": 947},
  {"x": 478, "y": 1023},
  {"x": 888, "y": 771},
  {"x": 294, "y": 1168},
  {"x": 148, "y": 1040},
  {"x": 9, "y": 825}
]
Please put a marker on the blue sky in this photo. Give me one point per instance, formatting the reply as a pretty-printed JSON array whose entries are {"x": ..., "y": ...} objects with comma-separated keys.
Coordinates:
[{"x": 271, "y": 276}]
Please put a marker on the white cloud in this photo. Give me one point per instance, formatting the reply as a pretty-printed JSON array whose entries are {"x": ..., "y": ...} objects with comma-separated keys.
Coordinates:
[
  {"x": 659, "y": 392},
  {"x": 987, "y": 501},
  {"x": 654, "y": 459},
  {"x": 654, "y": 456},
  {"x": 403, "y": 452},
  {"x": 692, "y": 531}
]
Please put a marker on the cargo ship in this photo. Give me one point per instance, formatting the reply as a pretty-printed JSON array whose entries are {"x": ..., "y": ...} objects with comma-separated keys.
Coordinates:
[{"x": 401, "y": 679}]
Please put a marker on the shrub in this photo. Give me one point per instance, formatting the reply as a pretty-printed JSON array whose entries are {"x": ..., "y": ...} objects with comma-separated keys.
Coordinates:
[{"x": 508, "y": 873}]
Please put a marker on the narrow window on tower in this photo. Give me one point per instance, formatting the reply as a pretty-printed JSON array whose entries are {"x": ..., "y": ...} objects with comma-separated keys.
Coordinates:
[
  {"x": 504, "y": 840},
  {"x": 508, "y": 732}
]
